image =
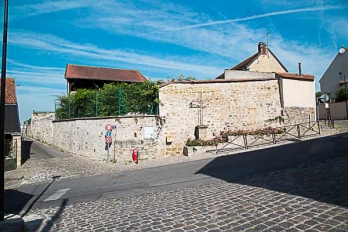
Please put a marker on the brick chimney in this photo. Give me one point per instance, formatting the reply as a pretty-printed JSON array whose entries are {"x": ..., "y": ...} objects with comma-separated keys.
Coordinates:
[{"x": 262, "y": 48}]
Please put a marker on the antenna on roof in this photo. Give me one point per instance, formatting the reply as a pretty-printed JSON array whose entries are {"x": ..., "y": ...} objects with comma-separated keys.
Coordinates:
[{"x": 267, "y": 44}]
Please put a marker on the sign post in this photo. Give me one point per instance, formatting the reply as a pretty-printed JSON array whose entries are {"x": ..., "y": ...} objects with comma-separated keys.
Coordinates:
[{"x": 108, "y": 140}]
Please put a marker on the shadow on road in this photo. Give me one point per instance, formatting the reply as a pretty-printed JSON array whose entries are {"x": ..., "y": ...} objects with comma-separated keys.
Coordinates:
[
  {"x": 315, "y": 169},
  {"x": 17, "y": 202},
  {"x": 26, "y": 147},
  {"x": 46, "y": 225}
]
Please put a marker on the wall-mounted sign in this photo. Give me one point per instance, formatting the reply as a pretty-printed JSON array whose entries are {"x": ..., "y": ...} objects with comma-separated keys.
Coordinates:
[
  {"x": 148, "y": 132},
  {"x": 108, "y": 139},
  {"x": 108, "y": 127},
  {"x": 108, "y": 133}
]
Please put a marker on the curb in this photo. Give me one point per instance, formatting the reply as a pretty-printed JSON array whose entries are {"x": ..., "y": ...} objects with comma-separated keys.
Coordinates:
[{"x": 12, "y": 223}]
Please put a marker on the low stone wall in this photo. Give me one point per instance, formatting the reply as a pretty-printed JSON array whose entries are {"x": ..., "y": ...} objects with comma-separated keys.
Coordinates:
[
  {"x": 86, "y": 136},
  {"x": 41, "y": 127},
  {"x": 293, "y": 115}
]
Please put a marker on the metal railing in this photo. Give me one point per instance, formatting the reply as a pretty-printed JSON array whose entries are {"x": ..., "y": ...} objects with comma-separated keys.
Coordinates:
[
  {"x": 273, "y": 136},
  {"x": 329, "y": 121}
]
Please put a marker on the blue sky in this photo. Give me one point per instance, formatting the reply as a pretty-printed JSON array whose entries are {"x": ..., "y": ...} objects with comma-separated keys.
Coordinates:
[{"x": 161, "y": 39}]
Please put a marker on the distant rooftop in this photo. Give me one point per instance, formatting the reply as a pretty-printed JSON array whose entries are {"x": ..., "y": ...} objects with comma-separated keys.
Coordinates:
[
  {"x": 10, "y": 91},
  {"x": 100, "y": 73}
]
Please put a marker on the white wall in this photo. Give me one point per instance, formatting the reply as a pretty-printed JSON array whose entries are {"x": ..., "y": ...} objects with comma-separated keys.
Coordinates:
[
  {"x": 236, "y": 74},
  {"x": 298, "y": 93}
]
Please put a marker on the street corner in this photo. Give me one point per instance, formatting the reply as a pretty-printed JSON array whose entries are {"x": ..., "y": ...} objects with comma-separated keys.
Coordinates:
[
  {"x": 12, "y": 223},
  {"x": 33, "y": 222}
]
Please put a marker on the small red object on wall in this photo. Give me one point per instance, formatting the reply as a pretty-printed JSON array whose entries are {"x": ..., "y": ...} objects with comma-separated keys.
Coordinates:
[{"x": 135, "y": 155}]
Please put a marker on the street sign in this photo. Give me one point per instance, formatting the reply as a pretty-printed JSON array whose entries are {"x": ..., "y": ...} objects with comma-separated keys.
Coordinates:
[
  {"x": 108, "y": 127},
  {"x": 108, "y": 139},
  {"x": 108, "y": 133},
  {"x": 324, "y": 97}
]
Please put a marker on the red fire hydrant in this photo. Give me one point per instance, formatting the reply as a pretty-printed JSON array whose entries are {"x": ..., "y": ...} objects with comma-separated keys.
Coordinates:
[{"x": 135, "y": 155}]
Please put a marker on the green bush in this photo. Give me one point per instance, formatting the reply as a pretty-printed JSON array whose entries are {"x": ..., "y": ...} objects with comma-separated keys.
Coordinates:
[{"x": 111, "y": 100}]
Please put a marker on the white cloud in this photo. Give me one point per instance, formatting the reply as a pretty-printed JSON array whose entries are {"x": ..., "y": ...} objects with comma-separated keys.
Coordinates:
[
  {"x": 36, "y": 98},
  {"x": 225, "y": 42},
  {"x": 28, "y": 10},
  {"x": 50, "y": 43},
  {"x": 309, "y": 9}
]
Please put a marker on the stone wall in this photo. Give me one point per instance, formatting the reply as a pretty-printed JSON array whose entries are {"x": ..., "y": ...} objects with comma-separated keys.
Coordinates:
[
  {"x": 266, "y": 63},
  {"x": 218, "y": 105},
  {"x": 294, "y": 115},
  {"x": 41, "y": 127},
  {"x": 86, "y": 136},
  {"x": 227, "y": 106}
]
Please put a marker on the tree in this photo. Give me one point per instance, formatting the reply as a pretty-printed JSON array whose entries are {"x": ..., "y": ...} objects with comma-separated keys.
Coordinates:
[
  {"x": 182, "y": 78},
  {"x": 341, "y": 95},
  {"x": 318, "y": 94},
  {"x": 107, "y": 101}
]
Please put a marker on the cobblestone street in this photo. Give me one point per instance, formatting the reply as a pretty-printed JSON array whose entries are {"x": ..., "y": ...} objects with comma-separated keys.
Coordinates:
[
  {"x": 306, "y": 198},
  {"x": 303, "y": 199}
]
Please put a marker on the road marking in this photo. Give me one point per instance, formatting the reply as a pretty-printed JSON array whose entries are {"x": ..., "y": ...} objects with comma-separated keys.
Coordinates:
[{"x": 57, "y": 195}]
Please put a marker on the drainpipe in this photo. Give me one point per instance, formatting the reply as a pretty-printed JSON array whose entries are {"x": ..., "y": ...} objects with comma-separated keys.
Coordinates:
[{"x": 281, "y": 93}]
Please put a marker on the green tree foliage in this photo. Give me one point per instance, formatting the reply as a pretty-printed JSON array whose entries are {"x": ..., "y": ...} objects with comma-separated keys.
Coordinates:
[
  {"x": 179, "y": 78},
  {"x": 318, "y": 94},
  {"x": 137, "y": 97},
  {"x": 341, "y": 94}
]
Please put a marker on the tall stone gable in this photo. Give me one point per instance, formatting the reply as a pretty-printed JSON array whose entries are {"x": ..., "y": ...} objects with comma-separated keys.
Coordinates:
[
  {"x": 265, "y": 61},
  {"x": 227, "y": 105}
]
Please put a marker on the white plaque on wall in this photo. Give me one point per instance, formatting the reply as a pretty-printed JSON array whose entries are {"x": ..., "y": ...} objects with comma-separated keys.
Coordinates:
[{"x": 148, "y": 132}]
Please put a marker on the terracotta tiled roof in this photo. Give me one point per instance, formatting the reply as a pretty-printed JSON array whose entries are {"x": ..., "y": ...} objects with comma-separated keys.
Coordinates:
[
  {"x": 106, "y": 74},
  {"x": 10, "y": 91},
  {"x": 243, "y": 65},
  {"x": 309, "y": 77}
]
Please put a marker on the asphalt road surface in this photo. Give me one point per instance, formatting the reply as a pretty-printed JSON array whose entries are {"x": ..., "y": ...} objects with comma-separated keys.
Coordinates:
[{"x": 40, "y": 151}]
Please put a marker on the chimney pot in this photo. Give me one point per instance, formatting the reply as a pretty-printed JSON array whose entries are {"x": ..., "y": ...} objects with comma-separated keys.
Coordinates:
[
  {"x": 262, "y": 48},
  {"x": 299, "y": 69}
]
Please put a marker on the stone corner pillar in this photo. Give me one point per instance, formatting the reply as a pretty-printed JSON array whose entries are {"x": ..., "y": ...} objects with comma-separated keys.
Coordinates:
[{"x": 17, "y": 144}]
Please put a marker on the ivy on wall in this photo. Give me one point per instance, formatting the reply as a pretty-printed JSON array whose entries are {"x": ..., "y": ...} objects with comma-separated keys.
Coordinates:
[{"x": 111, "y": 100}]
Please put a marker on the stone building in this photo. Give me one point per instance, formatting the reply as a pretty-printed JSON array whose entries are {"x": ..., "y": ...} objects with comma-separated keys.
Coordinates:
[
  {"x": 13, "y": 138},
  {"x": 247, "y": 96},
  {"x": 331, "y": 81}
]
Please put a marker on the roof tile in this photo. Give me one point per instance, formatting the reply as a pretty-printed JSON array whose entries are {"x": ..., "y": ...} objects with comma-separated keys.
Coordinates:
[
  {"x": 296, "y": 76},
  {"x": 100, "y": 73},
  {"x": 10, "y": 91}
]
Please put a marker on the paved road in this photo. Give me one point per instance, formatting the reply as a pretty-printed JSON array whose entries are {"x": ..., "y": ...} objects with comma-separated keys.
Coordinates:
[
  {"x": 296, "y": 187},
  {"x": 41, "y": 151}
]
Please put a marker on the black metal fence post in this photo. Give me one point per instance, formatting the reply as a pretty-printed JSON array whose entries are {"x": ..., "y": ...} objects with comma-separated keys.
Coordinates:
[{"x": 2, "y": 113}]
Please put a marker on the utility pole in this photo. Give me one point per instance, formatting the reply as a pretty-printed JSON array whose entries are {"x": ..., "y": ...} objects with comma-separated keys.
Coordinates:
[{"x": 2, "y": 113}]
